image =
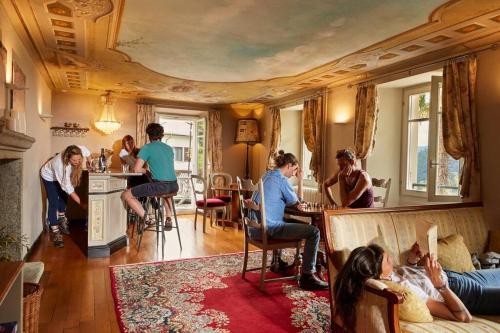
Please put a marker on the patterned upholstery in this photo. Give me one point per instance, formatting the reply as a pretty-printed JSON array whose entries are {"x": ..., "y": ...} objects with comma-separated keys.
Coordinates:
[
  {"x": 397, "y": 230},
  {"x": 471, "y": 225},
  {"x": 479, "y": 325},
  {"x": 351, "y": 231}
]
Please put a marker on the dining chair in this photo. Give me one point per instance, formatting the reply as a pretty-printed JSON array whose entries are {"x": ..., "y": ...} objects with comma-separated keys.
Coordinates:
[
  {"x": 203, "y": 203},
  {"x": 222, "y": 179},
  {"x": 254, "y": 216},
  {"x": 384, "y": 184}
]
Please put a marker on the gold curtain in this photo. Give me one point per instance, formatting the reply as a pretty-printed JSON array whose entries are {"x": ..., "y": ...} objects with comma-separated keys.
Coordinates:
[
  {"x": 144, "y": 116},
  {"x": 313, "y": 133},
  {"x": 460, "y": 137},
  {"x": 275, "y": 136},
  {"x": 214, "y": 142},
  {"x": 365, "y": 123}
]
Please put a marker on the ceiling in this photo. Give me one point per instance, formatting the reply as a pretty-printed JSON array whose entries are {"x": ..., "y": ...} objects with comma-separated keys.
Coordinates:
[{"x": 228, "y": 51}]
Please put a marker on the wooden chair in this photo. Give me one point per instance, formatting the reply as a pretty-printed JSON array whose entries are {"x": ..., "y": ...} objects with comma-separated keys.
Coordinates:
[
  {"x": 386, "y": 185},
  {"x": 203, "y": 203},
  {"x": 247, "y": 207},
  {"x": 218, "y": 179}
]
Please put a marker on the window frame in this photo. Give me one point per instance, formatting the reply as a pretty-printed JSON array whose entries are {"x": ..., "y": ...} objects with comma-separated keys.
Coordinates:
[{"x": 407, "y": 92}]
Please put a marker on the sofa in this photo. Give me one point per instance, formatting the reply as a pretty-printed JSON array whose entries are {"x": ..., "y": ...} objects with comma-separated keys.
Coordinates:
[{"x": 344, "y": 230}]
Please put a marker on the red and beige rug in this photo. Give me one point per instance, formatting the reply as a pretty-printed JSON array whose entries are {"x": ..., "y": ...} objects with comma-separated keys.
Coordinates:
[{"x": 208, "y": 295}]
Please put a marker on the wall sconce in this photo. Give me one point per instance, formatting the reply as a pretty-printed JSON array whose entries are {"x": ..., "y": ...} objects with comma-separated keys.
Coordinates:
[
  {"x": 107, "y": 122},
  {"x": 247, "y": 132}
]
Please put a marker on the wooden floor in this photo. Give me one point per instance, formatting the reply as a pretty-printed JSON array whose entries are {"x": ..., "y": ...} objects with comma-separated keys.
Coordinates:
[{"x": 77, "y": 292}]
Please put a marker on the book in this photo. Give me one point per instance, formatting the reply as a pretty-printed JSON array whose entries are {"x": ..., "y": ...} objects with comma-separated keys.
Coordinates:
[{"x": 427, "y": 236}]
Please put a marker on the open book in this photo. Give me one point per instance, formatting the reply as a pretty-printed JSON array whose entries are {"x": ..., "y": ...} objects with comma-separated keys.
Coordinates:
[{"x": 427, "y": 236}]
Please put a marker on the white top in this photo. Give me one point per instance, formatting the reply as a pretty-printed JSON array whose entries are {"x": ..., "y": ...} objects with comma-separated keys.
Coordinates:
[
  {"x": 123, "y": 153},
  {"x": 54, "y": 170},
  {"x": 415, "y": 278}
]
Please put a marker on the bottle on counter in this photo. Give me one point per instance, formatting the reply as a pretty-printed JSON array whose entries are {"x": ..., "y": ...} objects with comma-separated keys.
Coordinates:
[{"x": 102, "y": 161}]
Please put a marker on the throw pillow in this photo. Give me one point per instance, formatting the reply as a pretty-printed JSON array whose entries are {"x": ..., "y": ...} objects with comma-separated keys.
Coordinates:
[
  {"x": 494, "y": 241},
  {"x": 412, "y": 309},
  {"x": 453, "y": 254}
]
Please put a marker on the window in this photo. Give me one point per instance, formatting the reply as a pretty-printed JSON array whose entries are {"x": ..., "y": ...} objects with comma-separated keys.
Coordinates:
[
  {"x": 292, "y": 140},
  {"x": 428, "y": 170},
  {"x": 178, "y": 154},
  {"x": 417, "y": 139}
]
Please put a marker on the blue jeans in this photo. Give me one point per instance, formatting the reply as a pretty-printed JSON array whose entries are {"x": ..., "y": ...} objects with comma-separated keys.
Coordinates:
[
  {"x": 294, "y": 231},
  {"x": 58, "y": 199},
  {"x": 478, "y": 290}
]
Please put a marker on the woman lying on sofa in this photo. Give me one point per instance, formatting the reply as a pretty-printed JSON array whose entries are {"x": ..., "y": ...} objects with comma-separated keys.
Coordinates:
[{"x": 442, "y": 291}]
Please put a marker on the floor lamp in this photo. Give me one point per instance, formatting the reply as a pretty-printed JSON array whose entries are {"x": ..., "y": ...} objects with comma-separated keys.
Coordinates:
[{"x": 247, "y": 132}]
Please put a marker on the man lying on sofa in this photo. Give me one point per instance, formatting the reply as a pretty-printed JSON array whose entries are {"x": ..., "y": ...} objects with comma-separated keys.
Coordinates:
[{"x": 477, "y": 291}]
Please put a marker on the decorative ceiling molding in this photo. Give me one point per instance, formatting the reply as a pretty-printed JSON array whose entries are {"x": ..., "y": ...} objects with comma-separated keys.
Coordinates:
[{"x": 77, "y": 43}]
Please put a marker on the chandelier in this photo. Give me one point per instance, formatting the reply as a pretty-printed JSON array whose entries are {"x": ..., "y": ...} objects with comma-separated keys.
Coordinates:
[{"x": 107, "y": 122}]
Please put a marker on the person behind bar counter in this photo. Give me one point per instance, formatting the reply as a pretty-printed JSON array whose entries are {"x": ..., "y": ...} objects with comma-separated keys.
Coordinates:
[{"x": 60, "y": 175}]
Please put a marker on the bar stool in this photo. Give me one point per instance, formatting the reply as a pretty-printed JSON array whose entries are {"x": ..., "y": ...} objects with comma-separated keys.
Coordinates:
[{"x": 155, "y": 205}]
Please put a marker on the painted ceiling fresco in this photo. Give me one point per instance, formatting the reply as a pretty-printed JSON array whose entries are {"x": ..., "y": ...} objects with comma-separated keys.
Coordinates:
[
  {"x": 246, "y": 40},
  {"x": 239, "y": 51}
]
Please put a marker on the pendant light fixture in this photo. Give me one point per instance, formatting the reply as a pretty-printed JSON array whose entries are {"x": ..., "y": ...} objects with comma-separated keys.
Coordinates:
[{"x": 107, "y": 122}]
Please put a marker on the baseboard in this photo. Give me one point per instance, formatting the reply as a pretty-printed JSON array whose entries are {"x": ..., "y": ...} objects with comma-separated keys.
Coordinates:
[
  {"x": 106, "y": 250},
  {"x": 33, "y": 247}
]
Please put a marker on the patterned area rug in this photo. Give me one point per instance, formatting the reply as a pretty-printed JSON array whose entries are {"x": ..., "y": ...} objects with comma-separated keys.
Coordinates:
[{"x": 208, "y": 295}]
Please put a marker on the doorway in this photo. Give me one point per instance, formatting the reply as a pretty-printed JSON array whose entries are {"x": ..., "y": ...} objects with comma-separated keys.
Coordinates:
[{"x": 186, "y": 134}]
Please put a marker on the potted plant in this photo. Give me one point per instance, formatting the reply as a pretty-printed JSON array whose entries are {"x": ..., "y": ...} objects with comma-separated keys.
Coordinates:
[{"x": 11, "y": 243}]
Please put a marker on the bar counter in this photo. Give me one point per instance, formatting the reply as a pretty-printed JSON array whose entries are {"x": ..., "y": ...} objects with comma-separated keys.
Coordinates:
[{"x": 107, "y": 217}]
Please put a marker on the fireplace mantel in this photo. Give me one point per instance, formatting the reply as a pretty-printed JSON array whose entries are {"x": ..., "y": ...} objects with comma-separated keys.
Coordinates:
[{"x": 12, "y": 143}]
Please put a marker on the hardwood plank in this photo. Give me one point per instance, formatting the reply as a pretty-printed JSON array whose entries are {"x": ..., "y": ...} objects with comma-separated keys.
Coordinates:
[{"x": 77, "y": 296}]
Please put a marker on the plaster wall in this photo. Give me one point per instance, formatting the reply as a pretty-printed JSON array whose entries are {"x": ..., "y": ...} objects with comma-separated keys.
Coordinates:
[
  {"x": 85, "y": 110},
  {"x": 38, "y": 100}
]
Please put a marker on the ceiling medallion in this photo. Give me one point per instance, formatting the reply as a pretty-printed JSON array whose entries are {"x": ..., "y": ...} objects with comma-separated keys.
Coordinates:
[{"x": 93, "y": 8}]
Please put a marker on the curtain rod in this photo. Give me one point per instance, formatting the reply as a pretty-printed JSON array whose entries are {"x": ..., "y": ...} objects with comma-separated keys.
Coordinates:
[{"x": 441, "y": 61}]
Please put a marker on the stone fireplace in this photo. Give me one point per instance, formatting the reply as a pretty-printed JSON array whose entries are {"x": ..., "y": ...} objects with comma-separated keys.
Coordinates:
[{"x": 12, "y": 147}]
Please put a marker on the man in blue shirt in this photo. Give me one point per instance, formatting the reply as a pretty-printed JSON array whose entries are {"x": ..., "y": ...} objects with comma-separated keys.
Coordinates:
[
  {"x": 160, "y": 159},
  {"x": 279, "y": 193}
]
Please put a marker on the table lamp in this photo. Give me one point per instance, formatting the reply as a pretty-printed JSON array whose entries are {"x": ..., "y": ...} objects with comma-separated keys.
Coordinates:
[{"x": 247, "y": 132}]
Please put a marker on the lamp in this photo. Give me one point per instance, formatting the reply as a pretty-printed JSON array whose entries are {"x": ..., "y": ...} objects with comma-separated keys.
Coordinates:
[
  {"x": 247, "y": 132},
  {"x": 107, "y": 122}
]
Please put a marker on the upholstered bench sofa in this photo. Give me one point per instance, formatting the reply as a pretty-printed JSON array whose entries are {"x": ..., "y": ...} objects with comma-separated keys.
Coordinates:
[{"x": 344, "y": 230}]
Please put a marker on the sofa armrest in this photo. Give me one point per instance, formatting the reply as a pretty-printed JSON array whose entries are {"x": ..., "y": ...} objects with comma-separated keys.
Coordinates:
[{"x": 377, "y": 311}]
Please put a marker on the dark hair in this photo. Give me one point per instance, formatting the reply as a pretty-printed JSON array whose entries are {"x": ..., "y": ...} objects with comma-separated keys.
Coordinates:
[
  {"x": 283, "y": 159},
  {"x": 154, "y": 131},
  {"x": 364, "y": 262},
  {"x": 347, "y": 153}
]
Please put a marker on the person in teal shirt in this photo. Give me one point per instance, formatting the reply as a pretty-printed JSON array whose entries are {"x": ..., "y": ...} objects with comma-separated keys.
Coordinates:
[{"x": 160, "y": 159}]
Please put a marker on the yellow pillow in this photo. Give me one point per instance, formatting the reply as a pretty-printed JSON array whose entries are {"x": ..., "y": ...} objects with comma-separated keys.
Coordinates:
[
  {"x": 494, "y": 241},
  {"x": 412, "y": 309},
  {"x": 453, "y": 254}
]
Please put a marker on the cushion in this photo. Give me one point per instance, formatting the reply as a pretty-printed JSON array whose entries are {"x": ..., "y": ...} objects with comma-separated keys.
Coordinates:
[
  {"x": 211, "y": 203},
  {"x": 453, "y": 255},
  {"x": 223, "y": 197},
  {"x": 413, "y": 308},
  {"x": 494, "y": 241}
]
